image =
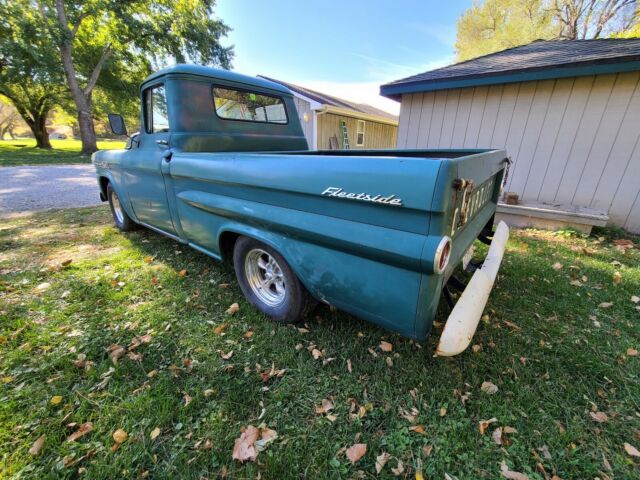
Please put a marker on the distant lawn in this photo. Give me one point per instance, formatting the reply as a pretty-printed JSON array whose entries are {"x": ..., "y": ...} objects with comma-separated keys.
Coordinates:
[
  {"x": 559, "y": 342},
  {"x": 23, "y": 152}
]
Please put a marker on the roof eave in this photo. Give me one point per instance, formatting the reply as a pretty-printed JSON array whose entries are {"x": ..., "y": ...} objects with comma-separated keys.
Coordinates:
[
  {"x": 359, "y": 115},
  {"x": 395, "y": 91}
]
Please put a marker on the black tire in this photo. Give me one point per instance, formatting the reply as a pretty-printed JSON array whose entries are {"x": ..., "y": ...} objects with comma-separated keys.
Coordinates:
[
  {"x": 121, "y": 219},
  {"x": 297, "y": 301}
]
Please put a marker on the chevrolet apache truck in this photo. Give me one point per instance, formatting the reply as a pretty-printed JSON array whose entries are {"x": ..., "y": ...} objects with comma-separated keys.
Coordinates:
[{"x": 221, "y": 164}]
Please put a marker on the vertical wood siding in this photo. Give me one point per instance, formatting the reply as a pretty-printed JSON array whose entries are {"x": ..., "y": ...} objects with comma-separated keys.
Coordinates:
[
  {"x": 304, "y": 107},
  {"x": 376, "y": 135},
  {"x": 574, "y": 141}
]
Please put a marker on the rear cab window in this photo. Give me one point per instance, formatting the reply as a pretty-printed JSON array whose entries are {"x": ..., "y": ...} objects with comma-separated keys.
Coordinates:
[
  {"x": 231, "y": 104},
  {"x": 156, "y": 117}
]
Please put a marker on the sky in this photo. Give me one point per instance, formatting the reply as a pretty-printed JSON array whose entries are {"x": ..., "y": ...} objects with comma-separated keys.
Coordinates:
[{"x": 344, "y": 48}]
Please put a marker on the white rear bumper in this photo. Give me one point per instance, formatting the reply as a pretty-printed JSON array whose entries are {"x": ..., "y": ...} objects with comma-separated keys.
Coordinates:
[{"x": 463, "y": 320}]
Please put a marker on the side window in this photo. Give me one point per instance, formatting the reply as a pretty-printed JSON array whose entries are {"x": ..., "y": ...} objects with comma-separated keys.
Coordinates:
[
  {"x": 156, "y": 118},
  {"x": 248, "y": 106},
  {"x": 360, "y": 133}
]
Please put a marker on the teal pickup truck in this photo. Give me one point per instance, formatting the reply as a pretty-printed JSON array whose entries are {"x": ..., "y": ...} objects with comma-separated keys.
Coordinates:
[{"x": 221, "y": 164}]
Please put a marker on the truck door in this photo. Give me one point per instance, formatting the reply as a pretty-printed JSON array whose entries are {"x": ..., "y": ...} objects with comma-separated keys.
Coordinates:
[{"x": 145, "y": 182}]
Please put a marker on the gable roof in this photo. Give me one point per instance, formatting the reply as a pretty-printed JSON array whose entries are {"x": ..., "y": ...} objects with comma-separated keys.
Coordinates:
[
  {"x": 332, "y": 101},
  {"x": 535, "y": 61}
]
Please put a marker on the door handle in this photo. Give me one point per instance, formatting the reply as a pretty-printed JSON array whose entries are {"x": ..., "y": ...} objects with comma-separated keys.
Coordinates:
[
  {"x": 166, "y": 156},
  {"x": 162, "y": 143}
]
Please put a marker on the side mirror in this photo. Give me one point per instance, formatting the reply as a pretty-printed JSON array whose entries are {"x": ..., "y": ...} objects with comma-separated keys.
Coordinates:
[{"x": 116, "y": 122}]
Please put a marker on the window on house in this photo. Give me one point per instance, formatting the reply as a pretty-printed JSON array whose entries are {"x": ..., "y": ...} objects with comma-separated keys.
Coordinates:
[
  {"x": 360, "y": 134},
  {"x": 156, "y": 115},
  {"x": 248, "y": 106}
]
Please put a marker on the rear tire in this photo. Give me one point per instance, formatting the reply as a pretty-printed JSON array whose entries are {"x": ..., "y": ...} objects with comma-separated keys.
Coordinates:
[
  {"x": 120, "y": 217},
  {"x": 268, "y": 282}
]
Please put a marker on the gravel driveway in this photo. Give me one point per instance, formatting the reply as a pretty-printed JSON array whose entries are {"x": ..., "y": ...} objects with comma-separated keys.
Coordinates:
[{"x": 28, "y": 189}]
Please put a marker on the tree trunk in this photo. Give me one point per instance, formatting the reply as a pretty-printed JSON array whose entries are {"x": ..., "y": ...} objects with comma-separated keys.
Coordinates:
[
  {"x": 39, "y": 129},
  {"x": 85, "y": 124}
]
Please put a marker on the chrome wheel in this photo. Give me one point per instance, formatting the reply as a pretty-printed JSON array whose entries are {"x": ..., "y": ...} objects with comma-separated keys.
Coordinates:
[
  {"x": 265, "y": 277},
  {"x": 117, "y": 208}
]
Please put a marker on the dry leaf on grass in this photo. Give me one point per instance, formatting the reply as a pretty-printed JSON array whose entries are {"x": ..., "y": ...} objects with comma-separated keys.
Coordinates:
[
  {"x": 36, "y": 447},
  {"x": 324, "y": 407},
  {"x": 316, "y": 353},
  {"x": 443, "y": 412},
  {"x": 56, "y": 399},
  {"x": 251, "y": 442},
  {"x": 632, "y": 352},
  {"x": 418, "y": 429},
  {"x": 617, "y": 278},
  {"x": 606, "y": 305},
  {"x": 399, "y": 470},
  {"x": 349, "y": 367},
  {"x": 219, "y": 329},
  {"x": 187, "y": 399},
  {"x": 635, "y": 299},
  {"x": 381, "y": 461},
  {"x": 80, "y": 432},
  {"x": 499, "y": 432},
  {"x": 386, "y": 346},
  {"x": 233, "y": 309},
  {"x": 489, "y": 388},
  {"x": 120, "y": 436},
  {"x": 356, "y": 452},
  {"x": 226, "y": 356},
  {"x": 483, "y": 424},
  {"x": 557, "y": 266},
  {"x": 506, "y": 473},
  {"x": 182, "y": 273},
  {"x": 631, "y": 450},
  {"x": 155, "y": 433},
  {"x": 599, "y": 417},
  {"x": 116, "y": 352}
]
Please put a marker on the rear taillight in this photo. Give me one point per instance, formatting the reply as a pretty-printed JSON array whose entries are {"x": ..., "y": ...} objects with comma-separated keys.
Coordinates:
[{"x": 441, "y": 259}]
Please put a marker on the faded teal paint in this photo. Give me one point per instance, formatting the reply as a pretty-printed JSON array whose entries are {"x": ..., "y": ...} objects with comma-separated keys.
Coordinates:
[
  {"x": 395, "y": 91},
  {"x": 370, "y": 259}
]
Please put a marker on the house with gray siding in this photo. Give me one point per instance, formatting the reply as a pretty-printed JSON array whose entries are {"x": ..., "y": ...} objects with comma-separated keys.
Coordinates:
[
  {"x": 322, "y": 117},
  {"x": 567, "y": 112}
]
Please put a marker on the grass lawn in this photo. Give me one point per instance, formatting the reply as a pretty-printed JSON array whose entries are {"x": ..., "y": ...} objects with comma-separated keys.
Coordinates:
[
  {"x": 563, "y": 362},
  {"x": 23, "y": 152}
]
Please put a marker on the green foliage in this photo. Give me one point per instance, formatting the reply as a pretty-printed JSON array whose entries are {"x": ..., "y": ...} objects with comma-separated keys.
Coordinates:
[
  {"x": 495, "y": 25},
  {"x": 23, "y": 152}
]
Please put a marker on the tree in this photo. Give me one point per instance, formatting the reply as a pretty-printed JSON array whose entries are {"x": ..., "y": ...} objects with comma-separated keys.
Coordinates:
[
  {"x": 30, "y": 76},
  {"x": 95, "y": 36},
  {"x": 495, "y": 25},
  {"x": 9, "y": 119}
]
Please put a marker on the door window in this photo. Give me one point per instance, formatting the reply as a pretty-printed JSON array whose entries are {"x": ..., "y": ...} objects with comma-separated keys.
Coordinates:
[{"x": 156, "y": 115}]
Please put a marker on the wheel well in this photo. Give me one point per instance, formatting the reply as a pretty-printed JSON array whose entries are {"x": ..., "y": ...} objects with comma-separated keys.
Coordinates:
[
  {"x": 226, "y": 243},
  {"x": 104, "y": 181}
]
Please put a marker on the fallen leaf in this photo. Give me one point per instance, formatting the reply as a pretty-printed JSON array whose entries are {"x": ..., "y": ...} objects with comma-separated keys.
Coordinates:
[
  {"x": 134, "y": 356},
  {"x": 635, "y": 299},
  {"x": 331, "y": 418},
  {"x": 324, "y": 407},
  {"x": 316, "y": 353},
  {"x": 418, "y": 429},
  {"x": 632, "y": 352},
  {"x": 148, "y": 259},
  {"x": 43, "y": 286},
  {"x": 67, "y": 262},
  {"x": 419, "y": 475},
  {"x": 226, "y": 356},
  {"x": 557, "y": 266},
  {"x": 476, "y": 348},
  {"x": 489, "y": 388},
  {"x": 116, "y": 352},
  {"x": 248, "y": 334},
  {"x": 443, "y": 412},
  {"x": 544, "y": 450},
  {"x": 617, "y": 278},
  {"x": 55, "y": 400},
  {"x": 219, "y": 329},
  {"x": 381, "y": 461},
  {"x": 606, "y": 305},
  {"x": 36, "y": 447},
  {"x": 355, "y": 452},
  {"x": 631, "y": 450},
  {"x": 244, "y": 447},
  {"x": 426, "y": 450},
  {"x": 182, "y": 273},
  {"x": 386, "y": 346},
  {"x": 80, "y": 432},
  {"x": 120, "y": 436},
  {"x": 483, "y": 424},
  {"x": 389, "y": 361},
  {"x": 187, "y": 399},
  {"x": 155, "y": 433},
  {"x": 512, "y": 325},
  {"x": 266, "y": 436},
  {"x": 506, "y": 473},
  {"x": 399, "y": 469},
  {"x": 349, "y": 368},
  {"x": 599, "y": 417},
  {"x": 233, "y": 309}
]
